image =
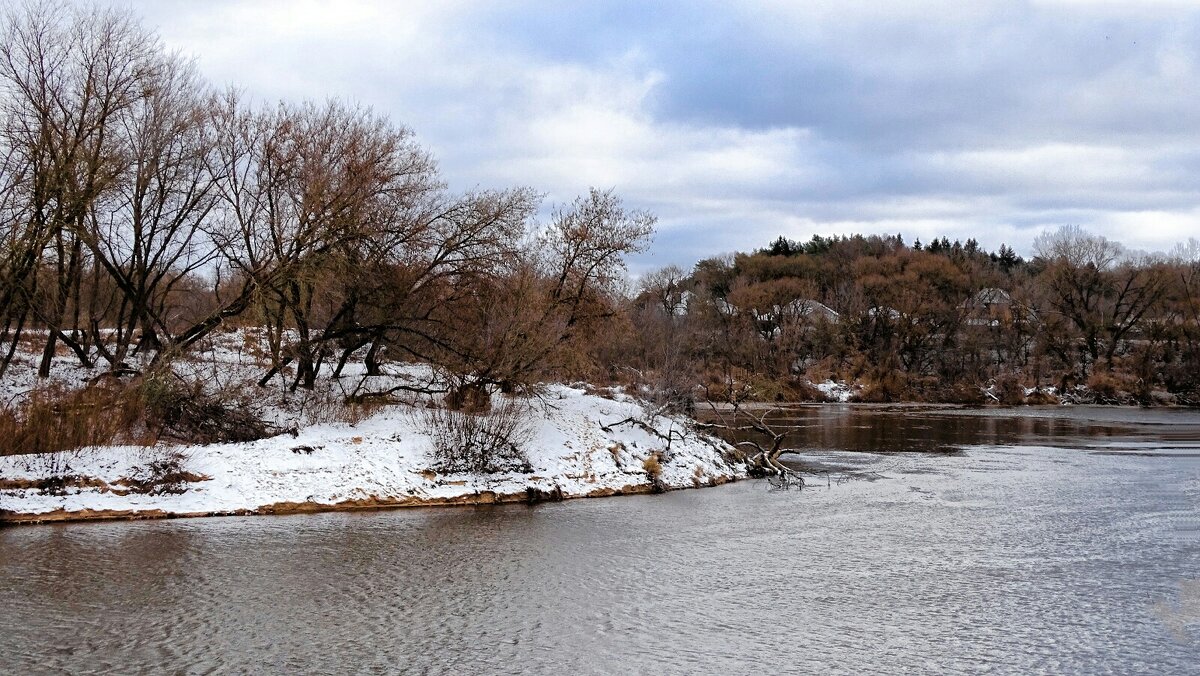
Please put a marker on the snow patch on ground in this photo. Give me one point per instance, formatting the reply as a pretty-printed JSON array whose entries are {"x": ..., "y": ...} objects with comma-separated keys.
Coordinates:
[
  {"x": 574, "y": 446},
  {"x": 835, "y": 391}
]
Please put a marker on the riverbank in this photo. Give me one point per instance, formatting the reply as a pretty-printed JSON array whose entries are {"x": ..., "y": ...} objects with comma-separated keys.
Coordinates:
[{"x": 578, "y": 445}]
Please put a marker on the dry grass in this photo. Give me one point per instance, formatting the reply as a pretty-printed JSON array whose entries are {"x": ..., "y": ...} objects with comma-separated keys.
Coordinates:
[
  {"x": 893, "y": 385},
  {"x": 653, "y": 464},
  {"x": 885, "y": 386},
  {"x": 653, "y": 467},
  {"x": 138, "y": 412},
  {"x": 164, "y": 472},
  {"x": 54, "y": 418},
  {"x": 1114, "y": 387}
]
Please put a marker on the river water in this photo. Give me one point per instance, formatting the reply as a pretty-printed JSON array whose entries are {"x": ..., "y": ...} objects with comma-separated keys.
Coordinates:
[{"x": 1024, "y": 543}]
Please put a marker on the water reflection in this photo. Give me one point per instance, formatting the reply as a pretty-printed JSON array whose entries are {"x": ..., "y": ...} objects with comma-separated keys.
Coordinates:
[{"x": 903, "y": 429}]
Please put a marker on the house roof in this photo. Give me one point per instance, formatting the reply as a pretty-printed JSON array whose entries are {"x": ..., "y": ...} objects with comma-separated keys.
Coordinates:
[{"x": 992, "y": 296}]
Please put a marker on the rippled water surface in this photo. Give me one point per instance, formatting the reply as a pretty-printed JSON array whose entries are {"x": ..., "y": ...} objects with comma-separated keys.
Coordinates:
[{"x": 1065, "y": 544}]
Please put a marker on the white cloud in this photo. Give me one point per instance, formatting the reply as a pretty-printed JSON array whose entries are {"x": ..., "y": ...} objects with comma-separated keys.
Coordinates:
[
  {"x": 1151, "y": 230},
  {"x": 1053, "y": 166}
]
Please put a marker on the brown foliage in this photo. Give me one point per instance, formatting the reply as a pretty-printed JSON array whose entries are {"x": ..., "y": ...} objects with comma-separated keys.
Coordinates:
[
  {"x": 1009, "y": 389},
  {"x": 1114, "y": 387},
  {"x": 885, "y": 386}
]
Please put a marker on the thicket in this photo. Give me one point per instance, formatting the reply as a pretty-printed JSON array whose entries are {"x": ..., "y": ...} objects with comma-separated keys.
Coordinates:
[{"x": 481, "y": 441}]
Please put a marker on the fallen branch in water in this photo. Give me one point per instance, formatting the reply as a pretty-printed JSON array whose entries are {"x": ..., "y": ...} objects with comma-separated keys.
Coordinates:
[{"x": 763, "y": 460}]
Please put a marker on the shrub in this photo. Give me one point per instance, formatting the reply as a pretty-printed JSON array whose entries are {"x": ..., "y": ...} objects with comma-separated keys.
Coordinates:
[
  {"x": 183, "y": 411},
  {"x": 1104, "y": 385},
  {"x": 1041, "y": 397},
  {"x": 653, "y": 466},
  {"x": 1113, "y": 387},
  {"x": 676, "y": 398},
  {"x": 885, "y": 386},
  {"x": 728, "y": 385},
  {"x": 469, "y": 397},
  {"x": 481, "y": 442},
  {"x": 1009, "y": 389},
  {"x": 787, "y": 389},
  {"x": 827, "y": 368},
  {"x": 800, "y": 389}
]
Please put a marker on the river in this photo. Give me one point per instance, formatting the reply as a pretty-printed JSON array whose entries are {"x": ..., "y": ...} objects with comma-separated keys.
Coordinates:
[{"x": 1058, "y": 540}]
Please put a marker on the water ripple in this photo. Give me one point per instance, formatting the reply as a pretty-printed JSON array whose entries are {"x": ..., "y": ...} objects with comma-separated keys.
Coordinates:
[{"x": 1003, "y": 560}]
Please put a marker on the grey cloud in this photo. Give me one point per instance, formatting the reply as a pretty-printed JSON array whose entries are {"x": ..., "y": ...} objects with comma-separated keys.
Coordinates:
[{"x": 992, "y": 119}]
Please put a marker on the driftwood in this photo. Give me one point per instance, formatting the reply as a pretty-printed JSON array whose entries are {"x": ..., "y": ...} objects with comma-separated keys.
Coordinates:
[{"x": 762, "y": 460}]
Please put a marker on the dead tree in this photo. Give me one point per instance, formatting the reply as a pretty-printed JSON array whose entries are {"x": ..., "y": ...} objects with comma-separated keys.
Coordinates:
[{"x": 761, "y": 459}]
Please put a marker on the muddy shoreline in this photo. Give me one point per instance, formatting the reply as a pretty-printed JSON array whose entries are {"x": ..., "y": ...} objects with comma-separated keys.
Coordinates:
[{"x": 529, "y": 496}]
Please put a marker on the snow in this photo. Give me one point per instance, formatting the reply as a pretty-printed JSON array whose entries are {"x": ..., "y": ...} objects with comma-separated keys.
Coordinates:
[
  {"x": 573, "y": 446},
  {"x": 835, "y": 391}
]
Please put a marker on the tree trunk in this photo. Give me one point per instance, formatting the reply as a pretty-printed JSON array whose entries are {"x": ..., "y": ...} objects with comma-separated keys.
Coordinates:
[
  {"x": 47, "y": 355},
  {"x": 16, "y": 340},
  {"x": 372, "y": 359}
]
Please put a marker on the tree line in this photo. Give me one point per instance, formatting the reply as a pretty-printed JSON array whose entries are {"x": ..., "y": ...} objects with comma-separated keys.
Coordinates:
[{"x": 940, "y": 322}]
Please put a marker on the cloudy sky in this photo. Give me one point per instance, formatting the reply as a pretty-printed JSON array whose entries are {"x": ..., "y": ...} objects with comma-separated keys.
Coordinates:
[{"x": 738, "y": 122}]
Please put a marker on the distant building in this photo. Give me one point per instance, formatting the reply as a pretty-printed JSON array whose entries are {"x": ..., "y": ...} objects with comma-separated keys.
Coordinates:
[
  {"x": 992, "y": 307},
  {"x": 884, "y": 311},
  {"x": 724, "y": 307},
  {"x": 801, "y": 312},
  {"x": 808, "y": 308},
  {"x": 681, "y": 302}
]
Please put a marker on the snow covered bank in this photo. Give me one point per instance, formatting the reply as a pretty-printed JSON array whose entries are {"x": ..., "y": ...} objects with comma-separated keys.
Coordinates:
[{"x": 575, "y": 449}]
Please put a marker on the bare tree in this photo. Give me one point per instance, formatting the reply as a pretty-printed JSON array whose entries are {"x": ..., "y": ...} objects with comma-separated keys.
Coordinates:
[
  {"x": 1103, "y": 293},
  {"x": 433, "y": 267},
  {"x": 576, "y": 269},
  {"x": 147, "y": 232},
  {"x": 667, "y": 286},
  {"x": 584, "y": 249},
  {"x": 528, "y": 321},
  {"x": 326, "y": 181},
  {"x": 67, "y": 75}
]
